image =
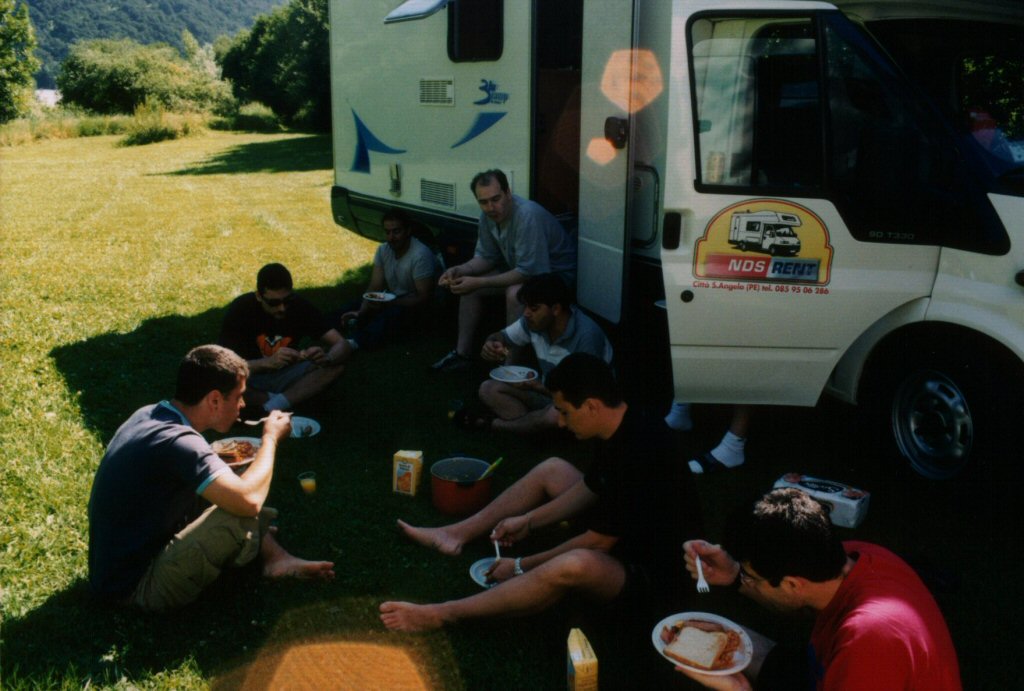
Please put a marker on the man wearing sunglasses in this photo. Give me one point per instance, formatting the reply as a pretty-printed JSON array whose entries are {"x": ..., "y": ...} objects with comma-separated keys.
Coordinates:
[{"x": 290, "y": 347}]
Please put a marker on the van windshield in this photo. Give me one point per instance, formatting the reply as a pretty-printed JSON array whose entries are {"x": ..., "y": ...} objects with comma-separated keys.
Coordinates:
[
  {"x": 974, "y": 72},
  {"x": 780, "y": 230}
]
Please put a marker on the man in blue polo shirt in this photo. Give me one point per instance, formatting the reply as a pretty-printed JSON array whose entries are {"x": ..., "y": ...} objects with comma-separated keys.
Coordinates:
[
  {"x": 554, "y": 328},
  {"x": 167, "y": 514}
]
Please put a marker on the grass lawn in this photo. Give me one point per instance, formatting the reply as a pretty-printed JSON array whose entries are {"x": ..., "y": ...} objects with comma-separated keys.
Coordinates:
[{"x": 117, "y": 260}]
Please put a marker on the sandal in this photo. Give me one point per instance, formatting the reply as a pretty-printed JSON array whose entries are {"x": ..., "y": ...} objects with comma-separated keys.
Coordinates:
[
  {"x": 706, "y": 463},
  {"x": 472, "y": 420}
]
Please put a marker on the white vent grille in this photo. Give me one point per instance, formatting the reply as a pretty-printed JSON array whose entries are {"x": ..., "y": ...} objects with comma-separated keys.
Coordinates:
[
  {"x": 437, "y": 92},
  {"x": 440, "y": 193}
]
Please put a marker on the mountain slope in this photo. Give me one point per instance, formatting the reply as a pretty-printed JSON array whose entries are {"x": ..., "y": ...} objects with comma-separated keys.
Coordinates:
[{"x": 59, "y": 23}]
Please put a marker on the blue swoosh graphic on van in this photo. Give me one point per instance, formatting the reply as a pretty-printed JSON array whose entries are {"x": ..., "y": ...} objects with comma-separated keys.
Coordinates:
[
  {"x": 483, "y": 122},
  {"x": 366, "y": 141}
]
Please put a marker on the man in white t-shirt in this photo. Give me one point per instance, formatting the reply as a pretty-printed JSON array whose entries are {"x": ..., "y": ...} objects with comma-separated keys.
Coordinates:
[{"x": 553, "y": 327}]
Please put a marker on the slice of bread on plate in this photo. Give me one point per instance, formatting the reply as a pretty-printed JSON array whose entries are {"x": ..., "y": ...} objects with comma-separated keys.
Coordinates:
[{"x": 697, "y": 648}]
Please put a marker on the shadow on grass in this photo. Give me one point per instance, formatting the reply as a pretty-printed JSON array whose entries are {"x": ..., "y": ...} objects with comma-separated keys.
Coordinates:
[
  {"x": 387, "y": 400},
  {"x": 295, "y": 154}
]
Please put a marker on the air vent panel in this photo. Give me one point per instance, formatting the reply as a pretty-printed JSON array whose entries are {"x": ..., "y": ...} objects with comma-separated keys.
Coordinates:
[{"x": 439, "y": 193}]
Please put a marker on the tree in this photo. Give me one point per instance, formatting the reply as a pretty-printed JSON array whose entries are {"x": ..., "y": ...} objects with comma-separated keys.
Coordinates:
[
  {"x": 284, "y": 63},
  {"x": 110, "y": 76},
  {"x": 17, "y": 61}
]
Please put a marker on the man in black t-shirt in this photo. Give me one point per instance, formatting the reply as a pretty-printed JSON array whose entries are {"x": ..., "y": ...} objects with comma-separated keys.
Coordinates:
[
  {"x": 638, "y": 507},
  {"x": 291, "y": 349}
]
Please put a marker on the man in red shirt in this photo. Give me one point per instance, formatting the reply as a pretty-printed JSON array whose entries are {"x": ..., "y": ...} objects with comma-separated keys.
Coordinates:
[{"x": 876, "y": 628}]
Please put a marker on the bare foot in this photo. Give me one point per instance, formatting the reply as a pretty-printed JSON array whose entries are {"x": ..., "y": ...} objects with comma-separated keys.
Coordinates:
[
  {"x": 405, "y": 616},
  {"x": 294, "y": 567},
  {"x": 436, "y": 538}
]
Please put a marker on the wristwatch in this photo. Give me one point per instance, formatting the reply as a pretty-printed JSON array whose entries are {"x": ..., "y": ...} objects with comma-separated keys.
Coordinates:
[{"x": 517, "y": 567}]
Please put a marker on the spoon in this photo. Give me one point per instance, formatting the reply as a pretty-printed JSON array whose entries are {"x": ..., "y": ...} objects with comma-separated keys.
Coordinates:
[
  {"x": 490, "y": 468},
  {"x": 253, "y": 423}
]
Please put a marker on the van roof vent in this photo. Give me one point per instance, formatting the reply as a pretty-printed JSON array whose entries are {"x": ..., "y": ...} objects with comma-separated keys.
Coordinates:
[
  {"x": 440, "y": 193},
  {"x": 437, "y": 92}
]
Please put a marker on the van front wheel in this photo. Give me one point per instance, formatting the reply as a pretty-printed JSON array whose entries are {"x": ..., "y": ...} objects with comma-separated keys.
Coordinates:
[{"x": 932, "y": 423}]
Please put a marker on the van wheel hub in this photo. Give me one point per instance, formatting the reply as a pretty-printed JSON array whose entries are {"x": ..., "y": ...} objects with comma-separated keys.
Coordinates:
[{"x": 932, "y": 424}]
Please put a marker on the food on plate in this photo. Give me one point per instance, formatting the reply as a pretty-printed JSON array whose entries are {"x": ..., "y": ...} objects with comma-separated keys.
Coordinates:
[
  {"x": 701, "y": 644},
  {"x": 375, "y": 296},
  {"x": 235, "y": 451}
]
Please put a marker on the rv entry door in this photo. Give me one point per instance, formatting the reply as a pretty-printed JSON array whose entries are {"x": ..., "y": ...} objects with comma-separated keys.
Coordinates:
[{"x": 608, "y": 71}]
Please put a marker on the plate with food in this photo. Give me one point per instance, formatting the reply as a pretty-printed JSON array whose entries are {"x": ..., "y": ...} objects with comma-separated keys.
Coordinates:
[
  {"x": 478, "y": 572},
  {"x": 379, "y": 296},
  {"x": 237, "y": 451},
  {"x": 304, "y": 426},
  {"x": 703, "y": 642},
  {"x": 511, "y": 374}
]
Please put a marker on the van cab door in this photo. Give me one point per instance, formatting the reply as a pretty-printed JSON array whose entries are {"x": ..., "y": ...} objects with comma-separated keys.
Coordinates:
[{"x": 792, "y": 110}]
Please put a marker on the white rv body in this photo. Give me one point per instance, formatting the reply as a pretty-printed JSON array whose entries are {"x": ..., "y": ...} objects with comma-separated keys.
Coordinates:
[{"x": 653, "y": 124}]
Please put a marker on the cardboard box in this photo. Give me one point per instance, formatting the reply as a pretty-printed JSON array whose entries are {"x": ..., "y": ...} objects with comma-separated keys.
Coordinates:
[
  {"x": 581, "y": 663},
  {"x": 406, "y": 472},
  {"x": 847, "y": 505}
]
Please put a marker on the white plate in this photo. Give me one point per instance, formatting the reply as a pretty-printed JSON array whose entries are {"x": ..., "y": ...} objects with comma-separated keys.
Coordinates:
[
  {"x": 245, "y": 461},
  {"x": 510, "y": 374},
  {"x": 478, "y": 569},
  {"x": 741, "y": 658},
  {"x": 379, "y": 296},
  {"x": 304, "y": 427}
]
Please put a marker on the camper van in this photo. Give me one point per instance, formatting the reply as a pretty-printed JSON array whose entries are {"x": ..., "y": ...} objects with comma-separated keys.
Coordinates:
[
  {"x": 768, "y": 231},
  {"x": 890, "y": 133}
]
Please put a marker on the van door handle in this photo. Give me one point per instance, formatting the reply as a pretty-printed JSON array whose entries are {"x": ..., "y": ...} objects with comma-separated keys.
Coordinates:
[{"x": 616, "y": 131}]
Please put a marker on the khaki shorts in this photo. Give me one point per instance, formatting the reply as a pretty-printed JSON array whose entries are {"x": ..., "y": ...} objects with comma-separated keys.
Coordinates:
[{"x": 195, "y": 557}]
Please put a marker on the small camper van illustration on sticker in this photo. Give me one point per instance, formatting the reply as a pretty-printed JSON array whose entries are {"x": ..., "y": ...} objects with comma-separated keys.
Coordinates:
[{"x": 765, "y": 231}]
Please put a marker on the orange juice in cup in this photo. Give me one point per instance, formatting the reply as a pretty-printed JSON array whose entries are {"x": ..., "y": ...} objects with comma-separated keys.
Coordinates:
[{"x": 308, "y": 482}]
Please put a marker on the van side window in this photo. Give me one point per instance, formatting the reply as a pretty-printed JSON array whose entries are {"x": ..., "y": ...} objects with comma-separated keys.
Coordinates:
[
  {"x": 475, "y": 30},
  {"x": 758, "y": 102}
]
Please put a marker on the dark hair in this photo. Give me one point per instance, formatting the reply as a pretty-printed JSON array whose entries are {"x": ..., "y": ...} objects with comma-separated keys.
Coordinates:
[
  {"x": 273, "y": 277},
  {"x": 487, "y": 177},
  {"x": 580, "y": 376},
  {"x": 544, "y": 289},
  {"x": 208, "y": 367},
  {"x": 398, "y": 216},
  {"x": 788, "y": 533}
]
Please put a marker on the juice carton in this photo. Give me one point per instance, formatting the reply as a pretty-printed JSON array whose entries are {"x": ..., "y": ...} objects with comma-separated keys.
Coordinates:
[
  {"x": 407, "y": 470},
  {"x": 581, "y": 663}
]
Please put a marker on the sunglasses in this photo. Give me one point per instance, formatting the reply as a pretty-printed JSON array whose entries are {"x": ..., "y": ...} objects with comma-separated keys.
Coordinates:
[{"x": 277, "y": 302}]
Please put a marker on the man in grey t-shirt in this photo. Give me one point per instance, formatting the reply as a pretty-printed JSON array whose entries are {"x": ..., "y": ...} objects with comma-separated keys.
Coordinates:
[
  {"x": 517, "y": 238},
  {"x": 399, "y": 290}
]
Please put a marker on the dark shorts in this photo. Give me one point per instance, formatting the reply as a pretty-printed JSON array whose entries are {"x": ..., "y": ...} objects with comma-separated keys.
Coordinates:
[{"x": 277, "y": 381}]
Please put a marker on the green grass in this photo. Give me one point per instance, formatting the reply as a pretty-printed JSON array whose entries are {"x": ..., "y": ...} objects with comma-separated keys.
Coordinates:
[{"x": 116, "y": 260}]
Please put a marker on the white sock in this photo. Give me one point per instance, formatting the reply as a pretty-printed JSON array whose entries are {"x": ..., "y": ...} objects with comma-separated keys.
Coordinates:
[
  {"x": 678, "y": 417},
  {"x": 277, "y": 401},
  {"x": 729, "y": 451}
]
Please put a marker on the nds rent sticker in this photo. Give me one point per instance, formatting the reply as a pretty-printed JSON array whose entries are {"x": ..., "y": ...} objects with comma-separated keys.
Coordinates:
[{"x": 765, "y": 241}]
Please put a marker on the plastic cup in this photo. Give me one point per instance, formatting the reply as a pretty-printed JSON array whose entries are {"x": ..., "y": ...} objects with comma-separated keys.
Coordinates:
[{"x": 308, "y": 482}]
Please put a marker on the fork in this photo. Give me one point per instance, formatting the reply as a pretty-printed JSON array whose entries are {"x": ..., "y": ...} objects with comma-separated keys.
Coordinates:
[
  {"x": 702, "y": 585},
  {"x": 253, "y": 423}
]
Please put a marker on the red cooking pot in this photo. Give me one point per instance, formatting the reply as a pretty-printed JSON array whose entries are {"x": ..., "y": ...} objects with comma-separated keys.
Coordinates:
[{"x": 456, "y": 487}]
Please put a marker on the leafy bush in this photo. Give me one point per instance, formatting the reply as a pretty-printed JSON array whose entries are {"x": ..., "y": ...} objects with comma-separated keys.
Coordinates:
[
  {"x": 252, "y": 117},
  {"x": 116, "y": 76},
  {"x": 17, "y": 59},
  {"x": 152, "y": 124}
]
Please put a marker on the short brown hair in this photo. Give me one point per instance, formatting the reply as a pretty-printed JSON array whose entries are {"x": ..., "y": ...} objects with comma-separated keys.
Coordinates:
[{"x": 206, "y": 368}]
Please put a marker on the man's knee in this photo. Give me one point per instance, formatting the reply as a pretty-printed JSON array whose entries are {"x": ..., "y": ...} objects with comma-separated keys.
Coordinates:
[
  {"x": 577, "y": 567},
  {"x": 557, "y": 470},
  {"x": 487, "y": 391}
]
